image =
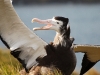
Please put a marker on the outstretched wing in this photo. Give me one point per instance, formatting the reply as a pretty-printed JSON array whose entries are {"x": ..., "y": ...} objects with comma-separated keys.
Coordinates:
[
  {"x": 91, "y": 56},
  {"x": 25, "y": 45}
]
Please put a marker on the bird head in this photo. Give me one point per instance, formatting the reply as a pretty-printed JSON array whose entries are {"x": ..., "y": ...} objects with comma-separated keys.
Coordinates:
[{"x": 59, "y": 24}]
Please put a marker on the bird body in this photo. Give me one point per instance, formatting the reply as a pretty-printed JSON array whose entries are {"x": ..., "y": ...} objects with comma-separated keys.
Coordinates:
[
  {"x": 60, "y": 53},
  {"x": 92, "y": 52}
]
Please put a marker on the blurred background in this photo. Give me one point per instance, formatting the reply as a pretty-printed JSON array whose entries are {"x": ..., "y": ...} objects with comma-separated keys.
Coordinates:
[{"x": 84, "y": 17}]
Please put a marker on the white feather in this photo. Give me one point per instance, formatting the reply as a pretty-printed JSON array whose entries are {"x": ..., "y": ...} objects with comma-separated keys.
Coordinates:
[
  {"x": 92, "y": 51},
  {"x": 16, "y": 34}
]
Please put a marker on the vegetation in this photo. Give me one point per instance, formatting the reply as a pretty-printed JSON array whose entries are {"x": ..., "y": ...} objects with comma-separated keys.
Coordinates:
[{"x": 10, "y": 66}]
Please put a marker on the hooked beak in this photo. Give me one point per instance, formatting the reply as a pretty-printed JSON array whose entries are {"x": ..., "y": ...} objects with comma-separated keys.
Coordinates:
[{"x": 48, "y": 23}]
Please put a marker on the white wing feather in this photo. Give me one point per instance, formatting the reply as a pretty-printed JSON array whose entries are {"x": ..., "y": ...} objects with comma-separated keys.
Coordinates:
[
  {"x": 17, "y": 36},
  {"x": 92, "y": 51},
  {"x": 90, "y": 58}
]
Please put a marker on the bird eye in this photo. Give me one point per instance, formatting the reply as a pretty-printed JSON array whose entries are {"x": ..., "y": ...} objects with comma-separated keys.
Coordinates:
[{"x": 57, "y": 22}]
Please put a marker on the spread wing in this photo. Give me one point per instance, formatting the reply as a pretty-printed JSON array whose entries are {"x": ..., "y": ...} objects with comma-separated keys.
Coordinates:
[
  {"x": 25, "y": 45},
  {"x": 91, "y": 56}
]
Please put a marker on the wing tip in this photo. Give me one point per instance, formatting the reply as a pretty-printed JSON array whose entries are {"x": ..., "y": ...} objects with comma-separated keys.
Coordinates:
[{"x": 86, "y": 64}]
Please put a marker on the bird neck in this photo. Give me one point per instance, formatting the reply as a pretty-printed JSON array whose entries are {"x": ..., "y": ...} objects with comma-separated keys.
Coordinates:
[
  {"x": 57, "y": 39},
  {"x": 62, "y": 39}
]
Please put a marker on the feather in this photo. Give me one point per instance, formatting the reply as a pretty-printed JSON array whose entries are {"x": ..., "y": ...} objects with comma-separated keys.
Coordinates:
[
  {"x": 24, "y": 44},
  {"x": 91, "y": 56}
]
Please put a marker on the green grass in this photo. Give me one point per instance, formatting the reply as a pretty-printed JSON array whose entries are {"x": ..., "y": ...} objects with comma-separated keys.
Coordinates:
[{"x": 10, "y": 66}]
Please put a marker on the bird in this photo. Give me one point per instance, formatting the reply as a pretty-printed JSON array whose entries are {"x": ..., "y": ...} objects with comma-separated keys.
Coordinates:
[
  {"x": 30, "y": 50},
  {"x": 60, "y": 53},
  {"x": 91, "y": 52},
  {"x": 27, "y": 47}
]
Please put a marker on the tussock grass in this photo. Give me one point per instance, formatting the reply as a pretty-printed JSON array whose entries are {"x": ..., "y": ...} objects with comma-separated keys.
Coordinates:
[{"x": 10, "y": 66}]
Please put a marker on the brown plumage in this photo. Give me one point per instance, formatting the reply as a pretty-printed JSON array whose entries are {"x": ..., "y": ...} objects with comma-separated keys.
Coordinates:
[{"x": 60, "y": 55}]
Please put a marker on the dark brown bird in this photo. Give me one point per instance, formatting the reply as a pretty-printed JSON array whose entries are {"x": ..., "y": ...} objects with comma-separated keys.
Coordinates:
[
  {"x": 60, "y": 53},
  {"x": 92, "y": 52}
]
